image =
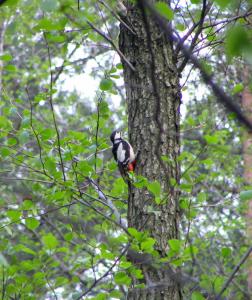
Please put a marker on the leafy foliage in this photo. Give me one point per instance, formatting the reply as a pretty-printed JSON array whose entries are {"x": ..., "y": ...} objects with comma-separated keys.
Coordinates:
[{"x": 60, "y": 189}]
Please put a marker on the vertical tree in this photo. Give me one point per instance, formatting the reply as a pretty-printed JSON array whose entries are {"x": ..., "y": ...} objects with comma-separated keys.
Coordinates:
[
  {"x": 153, "y": 99},
  {"x": 247, "y": 157}
]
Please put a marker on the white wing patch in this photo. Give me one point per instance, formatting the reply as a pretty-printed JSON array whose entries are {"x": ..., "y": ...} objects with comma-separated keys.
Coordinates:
[
  {"x": 120, "y": 153},
  {"x": 132, "y": 154}
]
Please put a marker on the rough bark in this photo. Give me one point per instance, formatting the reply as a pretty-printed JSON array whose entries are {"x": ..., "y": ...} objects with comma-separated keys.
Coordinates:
[
  {"x": 247, "y": 157},
  {"x": 153, "y": 100}
]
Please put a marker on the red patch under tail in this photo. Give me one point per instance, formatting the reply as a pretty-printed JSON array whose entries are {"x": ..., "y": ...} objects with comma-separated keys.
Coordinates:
[{"x": 131, "y": 166}]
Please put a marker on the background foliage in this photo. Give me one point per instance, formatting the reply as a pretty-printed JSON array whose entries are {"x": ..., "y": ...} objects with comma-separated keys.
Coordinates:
[{"x": 61, "y": 97}]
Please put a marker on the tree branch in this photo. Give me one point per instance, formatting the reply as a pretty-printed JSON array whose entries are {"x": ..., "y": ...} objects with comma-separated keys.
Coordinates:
[
  {"x": 235, "y": 270},
  {"x": 221, "y": 96},
  {"x": 199, "y": 24}
]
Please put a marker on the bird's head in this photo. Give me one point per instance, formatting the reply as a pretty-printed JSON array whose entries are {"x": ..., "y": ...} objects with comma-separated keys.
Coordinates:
[{"x": 116, "y": 136}]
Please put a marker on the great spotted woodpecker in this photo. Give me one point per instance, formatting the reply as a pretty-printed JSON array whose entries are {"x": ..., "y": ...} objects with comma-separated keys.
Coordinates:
[{"x": 123, "y": 153}]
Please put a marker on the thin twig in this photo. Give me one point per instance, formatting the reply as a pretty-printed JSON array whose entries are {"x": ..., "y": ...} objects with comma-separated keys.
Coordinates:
[
  {"x": 37, "y": 215},
  {"x": 194, "y": 26},
  {"x": 99, "y": 100},
  {"x": 35, "y": 133},
  {"x": 52, "y": 108},
  {"x": 247, "y": 14},
  {"x": 50, "y": 286},
  {"x": 61, "y": 68},
  {"x": 235, "y": 270},
  {"x": 108, "y": 39},
  {"x": 123, "y": 57},
  {"x": 205, "y": 10},
  {"x": 102, "y": 214},
  {"x": 101, "y": 195},
  {"x": 96, "y": 281},
  {"x": 26, "y": 179},
  {"x": 189, "y": 224},
  {"x": 117, "y": 16}
]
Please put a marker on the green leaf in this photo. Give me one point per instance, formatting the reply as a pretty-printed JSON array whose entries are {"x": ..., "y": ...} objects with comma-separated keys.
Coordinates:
[
  {"x": 177, "y": 262},
  {"x": 175, "y": 245},
  {"x": 136, "y": 234},
  {"x": 147, "y": 245},
  {"x": 158, "y": 200},
  {"x": 119, "y": 187},
  {"x": 56, "y": 38},
  {"x": 47, "y": 133},
  {"x": 12, "y": 141},
  {"x": 10, "y": 68},
  {"x": 140, "y": 181},
  {"x": 50, "y": 241},
  {"x": 164, "y": 10},
  {"x": 226, "y": 252},
  {"x": 218, "y": 283},
  {"x": 50, "y": 164},
  {"x": 202, "y": 197},
  {"x": 222, "y": 3},
  {"x": 106, "y": 84},
  {"x": 32, "y": 223},
  {"x": 246, "y": 195},
  {"x": 187, "y": 187},
  {"x": 155, "y": 188},
  {"x": 237, "y": 41},
  {"x": 5, "y": 152},
  {"x": 10, "y": 3},
  {"x": 137, "y": 273},
  {"x": 211, "y": 139},
  {"x": 104, "y": 109},
  {"x": 119, "y": 66},
  {"x": 207, "y": 162},
  {"x": 100, "y": 296},
  {"x": 6, "y": 57},
  {"x": 85, "y": 168},
  {"x": 61, "y": 281},
  {"x": 125, "y": 264},
  {"x": 184, "y": 203},
  {"x": 48, "y": 24},
  {"x": 68, "y": 236},
  {"x": 122, "y": 278},
  {"x": 116, "y": 294},
  {"x": 237, "y": 88},
  {"x": 25, "y": 249},
  {"x": 27, "y": 204},
  {"x": 14, "y": 215},
  {"x": 189, "y": 251},
  {"x": 180, "y": 27},
  {"x": 197, "y": 296}
]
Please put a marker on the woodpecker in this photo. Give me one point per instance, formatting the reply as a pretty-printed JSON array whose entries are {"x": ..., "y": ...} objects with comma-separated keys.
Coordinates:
[{"x": 123, "y": 153}]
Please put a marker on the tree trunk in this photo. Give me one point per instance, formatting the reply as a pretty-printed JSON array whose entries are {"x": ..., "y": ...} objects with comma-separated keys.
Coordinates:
[
  {"x": 153, "y": 100},
  {"x": 247, "y": 157}
]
